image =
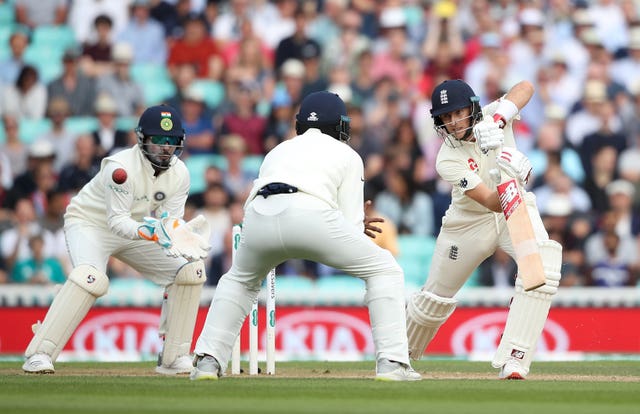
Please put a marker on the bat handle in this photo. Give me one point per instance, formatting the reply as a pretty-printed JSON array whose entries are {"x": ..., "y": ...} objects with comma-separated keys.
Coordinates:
[{"x": 495, "y": 175}]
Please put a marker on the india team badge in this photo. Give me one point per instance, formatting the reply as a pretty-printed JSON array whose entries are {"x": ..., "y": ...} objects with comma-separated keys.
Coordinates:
[{"x": 166, "y": 123}]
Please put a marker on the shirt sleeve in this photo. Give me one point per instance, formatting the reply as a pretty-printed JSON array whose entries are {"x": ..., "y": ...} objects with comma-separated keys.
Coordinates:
[
  {"x": 118, "y": 203},
  {"x": 351, "y": 191}
]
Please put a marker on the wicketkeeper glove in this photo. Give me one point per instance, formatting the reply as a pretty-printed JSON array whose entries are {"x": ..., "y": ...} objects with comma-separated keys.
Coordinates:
[
  {"x": 191, "y": 239},
  {"x": 157, "y": 230},
  {"x": 515, "y": 164},
  {"x": 488, "y": 134}
]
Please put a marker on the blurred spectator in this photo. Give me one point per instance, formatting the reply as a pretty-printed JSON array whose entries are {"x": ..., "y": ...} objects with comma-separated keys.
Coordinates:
[
  {"x": 215, "y": 210},
  {"x": 526, "y": 50},
  {"x": 345, "y": 50},
  {"x": 550, "y": 149},
  {"x": 296, "y": 45},
  {"x": 410, "y": 209},
  {"x": 324, "y": 19},
  {"x": 80, "y": 169},
  {"x": 14, "y": 243},
  {"x": 27, "y": 97},
  {"x": 604, "y": 136},
  {"x": 96, "y": 54},
  {"x": 249, "y": 56},
  {"x": 237, "y": 181},
  {"x": 74, "y": 86},
  {"x": 6, "y": 176},
  {"x": 498, "y": 270},
  {"x": 119, "y": 84},
  {"x": 198, "y": 123},
  {"x": 588, "y": 119},
  {"x": 274, "y": 20},
  {"x": 557, "y": 182},
  {"x": 52, "y": 224},
  {"x": 82, "y": 13},
  {"x": 610, "y": 24},
  {"x": 171, "y": 14},
  {"x": 629, "y": 169},
  {"x": 625, "y": 70},
  {"x": 40, "y": 152},
  {"x": 62, "y": 139},
  {"x": 197, "y": 48},
  {"x": 12, "y": 147},
  {"x": 33, "y": 13},
  {"x": 183, "y": 79},
  {"x": 108, "y": 137},
  {"x": 12, "y": 64},
  {"x": 38, "y": 268},
  {"x": 244, "y": 120},
  {"x": 315, "y": 79},
  {"x": 620, "y": 195},
  {"x": 145, "y": 35},
  {"x": 392, "y": 48},
  {"x": 226, "y": 26},
  {"x": 280, "y": 120},
  {"x": 291, "y": 77},
  {"x": 443, "y": 49},
  {"x": 45, "y": 179},
  {"x": 604, "y": 171},
  {"x": 553, "y": 78}
]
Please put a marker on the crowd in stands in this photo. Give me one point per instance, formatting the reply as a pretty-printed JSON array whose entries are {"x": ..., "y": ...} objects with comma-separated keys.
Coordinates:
[{"x": 76, "y": 74}]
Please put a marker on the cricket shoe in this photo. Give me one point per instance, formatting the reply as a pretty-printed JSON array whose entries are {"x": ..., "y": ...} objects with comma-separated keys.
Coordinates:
[
  {"x": 182, "y": 365},
  {"x": 395, "y": 371},
  {"x": 38, "y": 364},
  {"x": 512, "y": 370},
  {"x": 206, "y": 367}
]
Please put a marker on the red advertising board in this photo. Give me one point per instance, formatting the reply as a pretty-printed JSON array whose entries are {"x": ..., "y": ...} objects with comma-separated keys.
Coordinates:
[{"x": 333, "y": 332}]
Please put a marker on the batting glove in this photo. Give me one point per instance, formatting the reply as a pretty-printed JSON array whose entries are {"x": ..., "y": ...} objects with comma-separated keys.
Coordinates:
[
  {"x": 489, "y": 135},
  {"x": 515, "y": 164}
]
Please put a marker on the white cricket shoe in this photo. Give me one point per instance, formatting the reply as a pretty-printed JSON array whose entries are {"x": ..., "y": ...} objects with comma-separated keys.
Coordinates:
[
  {"x": 38, "y": 364},
  {"x": 206, "y": 368},
  {"x": 395, "y": 371},
  {"x": 182, "y": 365},
  {"x": 512, "y": 370}
]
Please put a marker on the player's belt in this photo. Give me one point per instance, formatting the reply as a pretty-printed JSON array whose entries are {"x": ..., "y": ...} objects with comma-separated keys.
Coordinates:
[{"x": 276, "y": 188}]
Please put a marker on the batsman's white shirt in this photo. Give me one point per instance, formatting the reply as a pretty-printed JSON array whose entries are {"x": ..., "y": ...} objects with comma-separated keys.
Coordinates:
[
  {"x": 322, "y": 222},
  {"x": 471, "y": 232},
  {"x": 102, "y": 220}
]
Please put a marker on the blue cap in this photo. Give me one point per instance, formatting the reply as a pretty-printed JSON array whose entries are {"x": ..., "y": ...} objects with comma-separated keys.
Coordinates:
[
  {"x": 450, "y": 96},
  {"x": 161, "y": 120}
]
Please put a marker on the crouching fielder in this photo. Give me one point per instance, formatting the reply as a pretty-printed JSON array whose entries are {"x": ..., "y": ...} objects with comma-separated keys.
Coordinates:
[
  {"x": 474, "y": 225},
  {"x": 112, "y": 217},
  {"x": 307, "y": 203}
]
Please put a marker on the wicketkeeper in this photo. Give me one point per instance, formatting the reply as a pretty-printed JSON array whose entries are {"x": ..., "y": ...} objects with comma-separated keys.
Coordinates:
[{"x": 132, "y": 210}]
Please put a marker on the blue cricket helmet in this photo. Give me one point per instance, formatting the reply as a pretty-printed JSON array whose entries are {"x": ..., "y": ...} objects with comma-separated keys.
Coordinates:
[{"x": 325, "y": 111}]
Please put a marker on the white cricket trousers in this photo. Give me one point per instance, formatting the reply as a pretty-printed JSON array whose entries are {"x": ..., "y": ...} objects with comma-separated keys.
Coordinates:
[{"x": 299, "y": 226}]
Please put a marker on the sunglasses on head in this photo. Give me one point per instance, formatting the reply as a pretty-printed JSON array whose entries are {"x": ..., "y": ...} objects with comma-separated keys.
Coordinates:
[{"x": 165, "y": 140}]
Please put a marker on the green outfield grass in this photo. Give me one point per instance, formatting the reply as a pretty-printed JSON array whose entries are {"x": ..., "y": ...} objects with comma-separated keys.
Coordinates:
[{"x": 326, "y": 387}]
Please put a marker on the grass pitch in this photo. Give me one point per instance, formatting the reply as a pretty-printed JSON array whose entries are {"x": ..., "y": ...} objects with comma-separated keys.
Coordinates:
[{"x": 325, "y": 387}]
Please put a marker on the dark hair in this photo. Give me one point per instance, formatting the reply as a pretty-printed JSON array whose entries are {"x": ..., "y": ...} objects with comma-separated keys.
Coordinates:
[
  {"x": 25, "y": 72},
  {"x": 103, "y": 18}
]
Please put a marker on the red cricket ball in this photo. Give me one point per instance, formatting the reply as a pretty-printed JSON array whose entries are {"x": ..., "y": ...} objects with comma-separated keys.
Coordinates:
[{"x": 119, "y": 176}]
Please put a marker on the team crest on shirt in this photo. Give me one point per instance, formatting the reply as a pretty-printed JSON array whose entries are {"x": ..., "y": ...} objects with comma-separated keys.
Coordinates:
[
  {"x": 463, "y": 183},
  {"x": 473, "y": 165},
  {"x": 159, "y": 196}
]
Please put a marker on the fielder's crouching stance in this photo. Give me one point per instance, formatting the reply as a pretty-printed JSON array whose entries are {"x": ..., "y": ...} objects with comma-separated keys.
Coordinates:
[
  {"x": 307, "y": 203},
  {"x": 111, "y": 216},
  {"x": 474, "y": 225}
]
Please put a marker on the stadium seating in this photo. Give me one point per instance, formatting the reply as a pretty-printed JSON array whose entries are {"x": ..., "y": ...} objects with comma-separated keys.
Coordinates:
[
  {"x": 212, "y": 91},
  {"x": 252, "y": 163},
  {"x": 30, "y": 129},
  {"x": 47, "y": 60},
  {"x": 126, "y": 123},
  {"x": 7, "y": 13},
  {"x": 81, "y": 124},
  {"x": 415, "y": 256},
  {"x": 197, "y": 164},
  {"x": 59, "y": 37}
]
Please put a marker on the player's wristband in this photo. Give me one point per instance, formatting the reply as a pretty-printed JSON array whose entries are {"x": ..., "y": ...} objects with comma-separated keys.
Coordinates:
[{"x": 505, "y": 110}]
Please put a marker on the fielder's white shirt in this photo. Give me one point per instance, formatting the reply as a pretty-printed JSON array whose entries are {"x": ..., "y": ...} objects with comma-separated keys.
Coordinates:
[
  {"x": 121, "y": 207},
  {"x": 466, "y": 166},
  {"x": 319, "y": 165}
]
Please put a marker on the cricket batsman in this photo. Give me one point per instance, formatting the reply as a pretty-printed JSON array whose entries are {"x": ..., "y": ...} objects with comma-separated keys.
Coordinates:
[
  {"x": 132, "y": 210},
  {"x": 474, "y": 226}
]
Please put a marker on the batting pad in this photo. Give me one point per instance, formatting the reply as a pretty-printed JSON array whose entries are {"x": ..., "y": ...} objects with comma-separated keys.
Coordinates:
[
  {"x": 426, "y": 312},
  {"x": 179, "y": 311},
  {"x": 529, "y": 310},
  {"x": 84, "y": 285}
]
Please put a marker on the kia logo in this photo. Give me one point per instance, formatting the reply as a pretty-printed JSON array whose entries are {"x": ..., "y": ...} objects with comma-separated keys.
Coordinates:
[{"x": 481, "y": 335}]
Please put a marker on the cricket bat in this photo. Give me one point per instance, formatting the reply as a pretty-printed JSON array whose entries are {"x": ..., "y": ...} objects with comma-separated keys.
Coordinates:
[{"x": 528, "y": 259}]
